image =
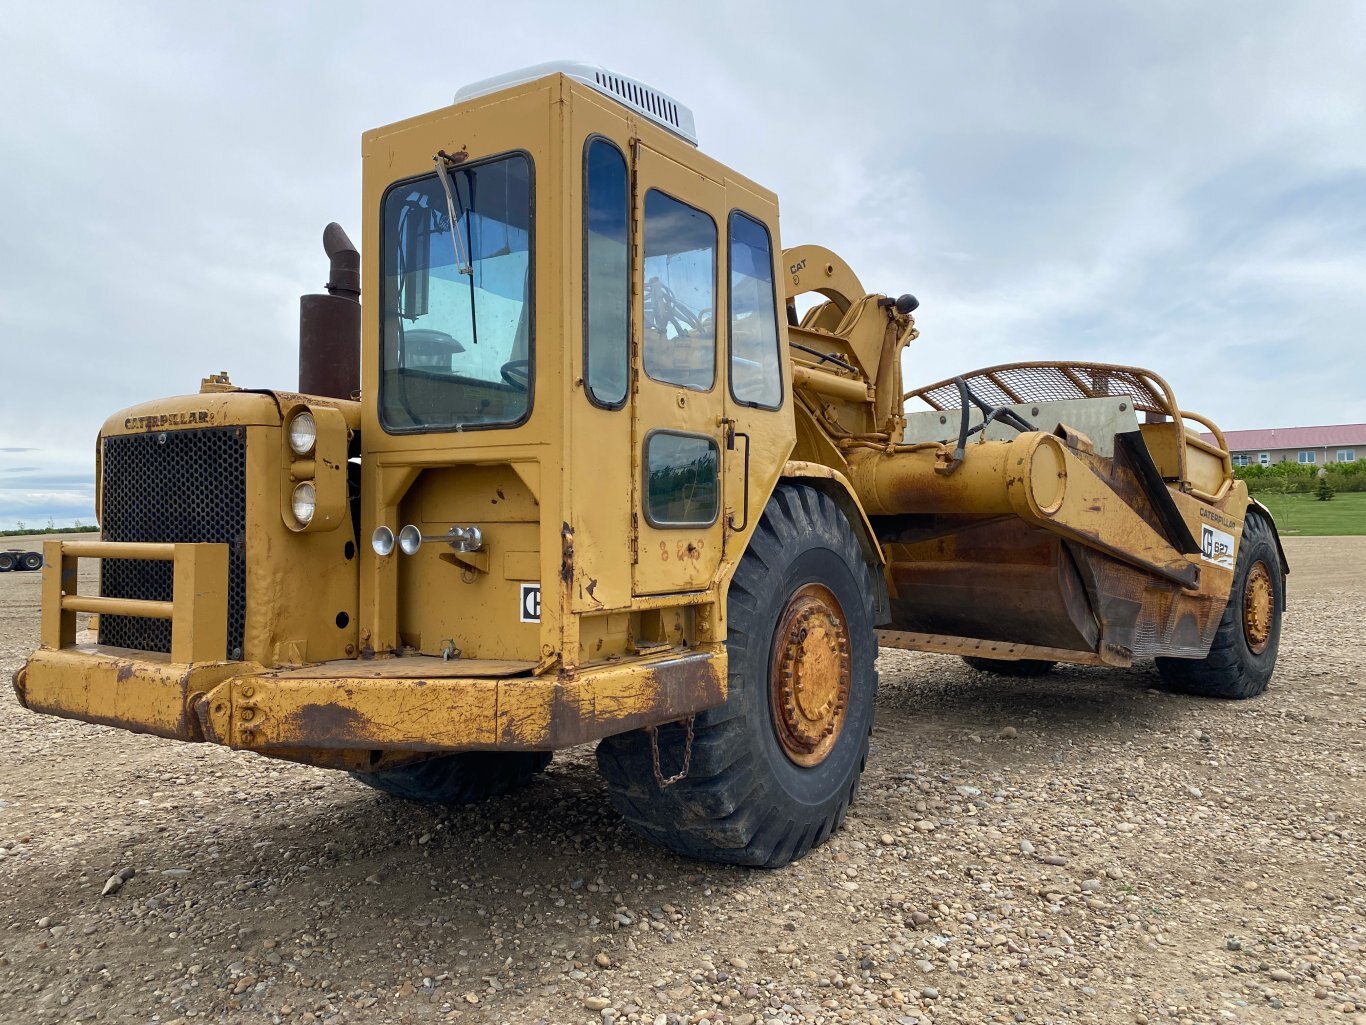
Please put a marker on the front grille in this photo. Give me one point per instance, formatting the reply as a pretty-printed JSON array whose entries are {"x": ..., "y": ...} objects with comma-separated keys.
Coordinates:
[{"x": 173, "y": 486}]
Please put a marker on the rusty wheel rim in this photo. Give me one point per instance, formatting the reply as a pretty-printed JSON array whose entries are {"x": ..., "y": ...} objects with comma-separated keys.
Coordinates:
[
  {"x": 1259, "y": 607},
  {"x": 810, "y": 675}
]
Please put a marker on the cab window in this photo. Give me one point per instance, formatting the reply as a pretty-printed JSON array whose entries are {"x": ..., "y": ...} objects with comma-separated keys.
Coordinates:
[
  {"x": 606, "y": 273},
  {"x": 682, "y": 480},
  {"x": 755, "y": 373},
  {"x": 679, "y": 294},
  {"x": 456, "y": 300}
]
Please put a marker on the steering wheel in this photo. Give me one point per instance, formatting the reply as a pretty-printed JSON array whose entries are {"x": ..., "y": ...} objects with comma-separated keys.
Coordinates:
[
  {"x": 517, "y": 373},
  {"x": 666, "y": 311}
]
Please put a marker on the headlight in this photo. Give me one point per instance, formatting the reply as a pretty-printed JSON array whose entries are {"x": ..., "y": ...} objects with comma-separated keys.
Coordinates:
[
  {"x": 382, "y": 540},
  {"x": 303, "y": 502},
  {"x": 303, "y": 433},
  {"x": 409, "y": 539}
]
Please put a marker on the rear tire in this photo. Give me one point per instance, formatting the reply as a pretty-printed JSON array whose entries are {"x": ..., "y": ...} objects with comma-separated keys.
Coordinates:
[
  {"x": 7, "y": 561},
  {"x": 463, "y": 778},
  {"x": 1243, "y": 655},
  {"x": 1010, "y": 667},
  {"x": 775, "y": 768},
  {"x": 31, "y": 560}
]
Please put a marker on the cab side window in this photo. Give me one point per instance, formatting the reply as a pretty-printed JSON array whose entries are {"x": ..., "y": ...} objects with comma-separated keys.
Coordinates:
[
  {"x": 682, "y": 479},
  {"x": 606, "y": 273},
  {"x": 679, "y": 296},
  {"x": 755, "y": 373}
]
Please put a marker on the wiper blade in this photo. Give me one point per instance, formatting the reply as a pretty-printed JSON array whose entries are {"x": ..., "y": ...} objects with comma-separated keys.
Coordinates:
[{"x": 462, "y": 259}]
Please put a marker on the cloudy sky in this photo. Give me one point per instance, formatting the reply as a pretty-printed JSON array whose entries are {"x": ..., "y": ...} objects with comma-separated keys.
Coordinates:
[{"x": 1177, "y": 185}]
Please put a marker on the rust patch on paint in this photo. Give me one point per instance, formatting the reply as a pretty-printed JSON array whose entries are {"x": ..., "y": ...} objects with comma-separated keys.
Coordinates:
[
  {"x": 322, "y": 725},
  {"x": 566, "y": 554}
]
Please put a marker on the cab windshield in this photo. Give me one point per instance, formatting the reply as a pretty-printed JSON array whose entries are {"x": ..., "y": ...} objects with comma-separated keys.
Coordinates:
[{"x": 456, "y": 343}]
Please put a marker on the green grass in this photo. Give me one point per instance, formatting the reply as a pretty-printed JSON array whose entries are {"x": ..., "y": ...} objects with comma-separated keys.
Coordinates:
[{"x": 1306, "y": 516}]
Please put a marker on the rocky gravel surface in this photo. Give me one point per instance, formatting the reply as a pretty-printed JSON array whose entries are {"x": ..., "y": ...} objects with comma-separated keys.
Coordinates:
[{"x": 1075, "y": 848}]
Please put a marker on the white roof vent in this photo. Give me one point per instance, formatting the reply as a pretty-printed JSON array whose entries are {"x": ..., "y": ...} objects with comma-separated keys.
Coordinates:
[{"x": 657, "y": 106}]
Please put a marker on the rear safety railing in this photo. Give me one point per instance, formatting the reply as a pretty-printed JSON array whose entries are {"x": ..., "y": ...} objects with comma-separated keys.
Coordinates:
[{"x": 198, "y": 609}]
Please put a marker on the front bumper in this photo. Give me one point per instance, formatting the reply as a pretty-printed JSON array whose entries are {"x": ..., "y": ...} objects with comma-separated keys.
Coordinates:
[
  {"x": 398, "y": 705},
  {"x": 350, "y": 713},
  {"x": 133, "y": 690}
]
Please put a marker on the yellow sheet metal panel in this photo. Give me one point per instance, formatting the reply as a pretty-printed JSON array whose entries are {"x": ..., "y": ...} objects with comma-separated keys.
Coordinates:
[
  {"x": 598, "y": 459},
  {"x": 1060, "y": 492},
  {"x": 447, "y": 605},
  {"x": 811, "y": 268},
  {"x": 522, "y": 565},
  {"x": 302, "y": 600},
  {"x": 678, "y": 384},
  {"x": 1207, "y": 469},
  {"x": 187, "y": 412},
  {"x": 528, "y": 120}
]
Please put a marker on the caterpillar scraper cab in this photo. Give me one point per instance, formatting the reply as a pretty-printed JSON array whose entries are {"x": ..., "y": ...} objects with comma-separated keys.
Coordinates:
[{"x": 577, "y": 471}]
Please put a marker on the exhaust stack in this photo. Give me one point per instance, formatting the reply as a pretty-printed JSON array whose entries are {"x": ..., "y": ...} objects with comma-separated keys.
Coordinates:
[{"x": 329, "y": 325}]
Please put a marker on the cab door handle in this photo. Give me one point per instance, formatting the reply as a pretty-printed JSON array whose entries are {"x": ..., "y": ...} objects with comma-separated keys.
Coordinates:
[{"x": 731, "y": 435}]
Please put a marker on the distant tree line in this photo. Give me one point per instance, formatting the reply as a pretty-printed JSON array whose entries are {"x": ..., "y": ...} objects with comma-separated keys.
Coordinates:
[
  {"x": 1303, "y": 478},
  {"x": 22, "y": 528}
]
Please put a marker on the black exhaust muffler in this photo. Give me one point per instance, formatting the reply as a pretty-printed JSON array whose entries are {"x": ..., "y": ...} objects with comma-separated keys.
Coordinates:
[{"x": 329, "y": 325}]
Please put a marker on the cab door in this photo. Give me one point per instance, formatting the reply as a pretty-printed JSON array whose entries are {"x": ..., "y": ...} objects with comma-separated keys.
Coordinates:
[{"x": 678, "y": 385}]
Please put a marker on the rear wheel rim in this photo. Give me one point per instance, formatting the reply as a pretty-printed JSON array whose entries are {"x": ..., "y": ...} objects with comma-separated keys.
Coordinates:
[
  {"x": 1259, "y": 608},
  {"x": 811, "y": 674}
]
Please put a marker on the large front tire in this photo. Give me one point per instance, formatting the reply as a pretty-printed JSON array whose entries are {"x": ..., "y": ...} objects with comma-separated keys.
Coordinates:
[
  {"x": 460, "y": 778},
  {"x": 774, "y": 769},
  {"x": 1243, "y": 655}
]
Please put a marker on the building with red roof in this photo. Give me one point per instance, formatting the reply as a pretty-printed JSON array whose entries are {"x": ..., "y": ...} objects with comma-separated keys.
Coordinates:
[{"x": 1336, "y": 443}]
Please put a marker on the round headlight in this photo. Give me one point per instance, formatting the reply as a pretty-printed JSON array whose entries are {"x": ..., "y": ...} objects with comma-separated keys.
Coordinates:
[
  {"x": 303, "y": 433},
  {"x": 409, "y": 539},
  {"x": 382, "y": 540},
  {"x": 304, "y": 502}
]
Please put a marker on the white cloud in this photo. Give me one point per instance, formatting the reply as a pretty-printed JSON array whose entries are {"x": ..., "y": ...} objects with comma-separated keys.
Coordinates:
[{"x": 1174, "y": 185}]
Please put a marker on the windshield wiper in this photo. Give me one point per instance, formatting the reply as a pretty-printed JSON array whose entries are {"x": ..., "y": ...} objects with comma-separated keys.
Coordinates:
[
  {"x": 463, "y": 264},
  {"x": 443, "y": 161}
]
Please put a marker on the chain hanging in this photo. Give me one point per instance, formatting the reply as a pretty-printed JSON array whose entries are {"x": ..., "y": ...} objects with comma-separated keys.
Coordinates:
[{"x": 687, "y": 753}]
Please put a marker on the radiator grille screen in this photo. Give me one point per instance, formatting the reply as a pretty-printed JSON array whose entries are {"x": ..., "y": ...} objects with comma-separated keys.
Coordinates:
[{"x": 173, "y": 486}]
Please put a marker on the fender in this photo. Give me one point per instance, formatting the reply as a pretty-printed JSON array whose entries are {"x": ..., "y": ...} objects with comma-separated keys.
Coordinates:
[
  {"x": 831, "y": 482},
  {"x": 1280, "y": 549}
]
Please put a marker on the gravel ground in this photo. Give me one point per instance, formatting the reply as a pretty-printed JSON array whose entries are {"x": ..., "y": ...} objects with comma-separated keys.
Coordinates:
[{"x": 1081, "y": 847}]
